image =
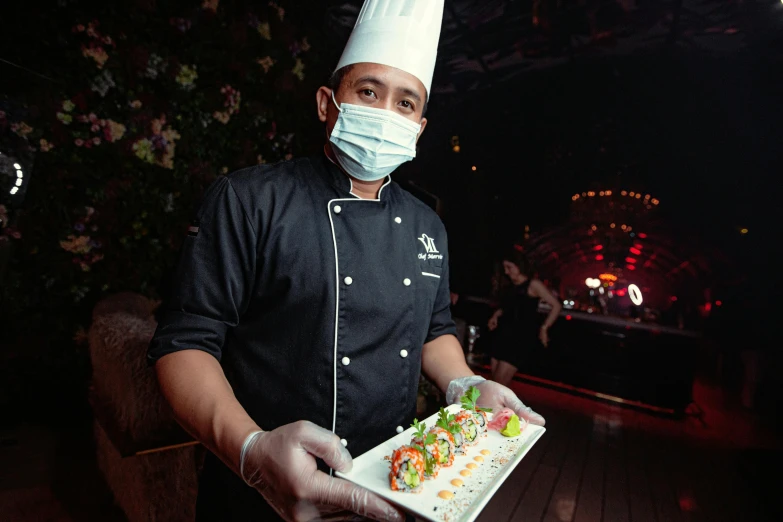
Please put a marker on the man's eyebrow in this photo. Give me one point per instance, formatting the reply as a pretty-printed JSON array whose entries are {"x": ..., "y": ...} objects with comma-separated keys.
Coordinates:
[
  {"x": 410, "y": 92},
  {"x": 370, "y": 79}
]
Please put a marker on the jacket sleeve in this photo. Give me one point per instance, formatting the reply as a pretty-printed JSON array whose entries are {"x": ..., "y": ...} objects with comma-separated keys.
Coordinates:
[{"x": 214, "y": 279}]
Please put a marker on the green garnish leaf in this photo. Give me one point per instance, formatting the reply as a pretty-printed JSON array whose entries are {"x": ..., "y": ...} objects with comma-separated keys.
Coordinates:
[
  {"x": 448, "y": 422},
  {"x": 470, "y": 398},
  {"x": 420, "y": 427},
  {"x": 429, "y": 439},
  {"x": 443, "y": 419}
]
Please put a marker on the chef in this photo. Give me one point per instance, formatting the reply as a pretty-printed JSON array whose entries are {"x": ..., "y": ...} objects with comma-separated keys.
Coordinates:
[{"x": 311, "y": 294}]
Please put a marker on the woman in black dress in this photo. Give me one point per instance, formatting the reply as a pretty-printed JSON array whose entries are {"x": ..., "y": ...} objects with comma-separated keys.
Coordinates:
[{"x": 517, "y": 321}]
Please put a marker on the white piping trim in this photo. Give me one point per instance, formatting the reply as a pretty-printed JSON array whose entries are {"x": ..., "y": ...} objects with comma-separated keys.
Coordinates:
[
  {"x": 337, "y": 298},
  {"x": 430, "y": 275},
  {"x": 379, "y": 190}
]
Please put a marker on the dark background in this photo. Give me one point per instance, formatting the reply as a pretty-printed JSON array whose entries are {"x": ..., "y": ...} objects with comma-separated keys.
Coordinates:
[{"x": 679, "y": 99}]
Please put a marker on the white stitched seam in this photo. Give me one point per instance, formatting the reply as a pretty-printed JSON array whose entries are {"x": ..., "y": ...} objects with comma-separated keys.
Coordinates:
[{"x": 430, "y": 275}]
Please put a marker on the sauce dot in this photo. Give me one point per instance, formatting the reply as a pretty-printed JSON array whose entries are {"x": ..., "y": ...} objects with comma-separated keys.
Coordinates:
[
  {"x": 456, "y": 482},
  {"x": 478, "y": 459},
  {"x": 465, "y": 472},
  {"x": 485, "y": 452},
  {"x": 470, "y": 465},
  {"x": 446, "y": 495}
]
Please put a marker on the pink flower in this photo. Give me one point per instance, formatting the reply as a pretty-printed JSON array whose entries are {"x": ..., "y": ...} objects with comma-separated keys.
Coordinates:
[
  {"x": 80, "y": 28},
  {"x": 93, "y": 117},
  {"x": 96, "y": 140},
  {"x": 88, "y": 144},
  {"x": 95, "y": 127},
  {"x": 78, "y": 142}
]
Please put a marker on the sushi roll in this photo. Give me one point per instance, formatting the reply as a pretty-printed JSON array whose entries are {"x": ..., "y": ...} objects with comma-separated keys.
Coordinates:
[
  {"x": 450, "y": 424},
  {"x": 460, "y": 448},
  {"x": 407, "y": 470},
  {"x": 481, "y": 419},
  {"x": 427, "y": 444},
  {"x": 432, "y": 454},
  {"x": 469, "y": 428},
  {"x": 445, "y": 442},
  {"x": 470, "y": 404}
]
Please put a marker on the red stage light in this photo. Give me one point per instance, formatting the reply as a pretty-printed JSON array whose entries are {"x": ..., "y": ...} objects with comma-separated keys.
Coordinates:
[
  {"x": 621, "y": 292},
  {"x": 631, "y": 259},
  {"x": 673, "y": 298},
  {"x": 599, "y": 257},
  {"x": 707, "y": 307},
  {"x": 630, "y": 267},
  {"x": 718, "y": 303},
  {"x": 568, "y": 318},
  {"x": 642, "y": 235},
  {"x": 638, "y": 245},
  {"x": 598, "y": 247},
  {"x": 519, "y": 248},
  {"x": 636, "y": 251}
]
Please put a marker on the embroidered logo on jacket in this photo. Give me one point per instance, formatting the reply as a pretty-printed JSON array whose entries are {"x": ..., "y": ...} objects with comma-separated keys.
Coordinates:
[{"x": 429, "y": 247}]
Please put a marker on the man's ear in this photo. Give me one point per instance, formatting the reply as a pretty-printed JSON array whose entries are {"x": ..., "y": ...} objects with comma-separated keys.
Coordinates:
[
  {"x": 421, "y": 131},
  {"x": 323, "y": 97}
]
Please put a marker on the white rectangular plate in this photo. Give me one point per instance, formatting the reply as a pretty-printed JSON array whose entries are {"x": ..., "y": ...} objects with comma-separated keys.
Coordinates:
[{"x": 371, "y": 471}]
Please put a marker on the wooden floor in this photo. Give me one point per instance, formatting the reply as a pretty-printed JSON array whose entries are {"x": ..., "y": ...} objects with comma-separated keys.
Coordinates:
[
  {"x": 606, "y": 463},
  {"x": 596, "y": 462}
]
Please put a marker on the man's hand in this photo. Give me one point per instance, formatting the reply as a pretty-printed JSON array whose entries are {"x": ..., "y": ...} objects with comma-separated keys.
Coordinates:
[
  {"x": 280, "y": 464},
  {"x": 493, "y": 395},
  {"x": 493, "y": 323}
]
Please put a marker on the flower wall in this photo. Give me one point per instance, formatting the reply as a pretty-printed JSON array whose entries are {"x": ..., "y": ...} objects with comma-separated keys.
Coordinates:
[{"x": 148, "y": 103}]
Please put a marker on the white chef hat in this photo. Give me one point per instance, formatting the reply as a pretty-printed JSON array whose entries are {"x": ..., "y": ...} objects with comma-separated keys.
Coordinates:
[{"x": 398, "y": 33}]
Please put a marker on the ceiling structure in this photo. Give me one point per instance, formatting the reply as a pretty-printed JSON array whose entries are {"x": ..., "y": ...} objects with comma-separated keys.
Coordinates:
[
  {"x": 485, "y": 42},
  {"x": 620, "y": 232}
]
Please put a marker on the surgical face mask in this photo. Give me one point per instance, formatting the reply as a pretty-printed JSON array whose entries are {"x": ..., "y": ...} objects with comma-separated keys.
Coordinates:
[{"x": 370, "y": 143}]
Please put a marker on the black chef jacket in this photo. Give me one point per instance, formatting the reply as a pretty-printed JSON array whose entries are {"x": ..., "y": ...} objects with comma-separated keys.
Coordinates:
[{"x": 317, "y": 304}]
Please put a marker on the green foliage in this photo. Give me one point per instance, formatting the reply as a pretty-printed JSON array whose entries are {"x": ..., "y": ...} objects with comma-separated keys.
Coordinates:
[{"x": 152, "y": 102}]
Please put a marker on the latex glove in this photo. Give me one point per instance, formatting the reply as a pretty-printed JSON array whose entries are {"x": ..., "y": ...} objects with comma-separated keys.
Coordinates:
[
  {"x": 281, "y": 465},
  {"x": 493, "y": 395}
]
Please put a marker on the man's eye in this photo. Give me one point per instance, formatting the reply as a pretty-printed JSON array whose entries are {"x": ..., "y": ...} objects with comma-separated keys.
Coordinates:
[
  {"x": 368, "y": 92},
  {"x": 406, "y": 104}
]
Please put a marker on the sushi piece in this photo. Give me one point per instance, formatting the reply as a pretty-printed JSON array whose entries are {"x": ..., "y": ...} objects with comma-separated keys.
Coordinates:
[
  {"x": 445, "y": 441},
  {"x": 407, "y": 470},
  {"x": 479, "y": 414},
  {"x": 427, "y": 444},
  {"x": 481, "y": 422},
  {"x": 469, "y": 429},
  {"x": 448, "y": 422}
]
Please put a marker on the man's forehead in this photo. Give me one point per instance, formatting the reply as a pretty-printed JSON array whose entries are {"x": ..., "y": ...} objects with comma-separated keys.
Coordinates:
[{"x": 389, "y": 76}]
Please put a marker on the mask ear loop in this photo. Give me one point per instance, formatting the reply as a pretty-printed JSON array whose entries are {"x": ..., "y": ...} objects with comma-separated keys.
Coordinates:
[{"x": 335, "y": 102}]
